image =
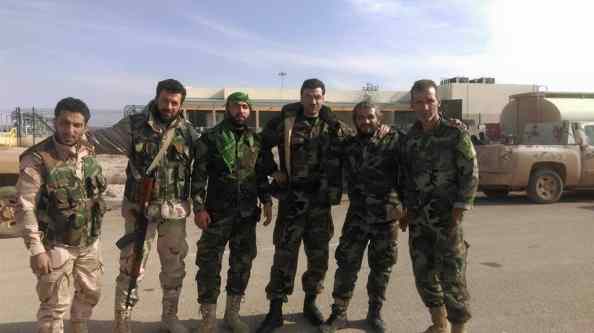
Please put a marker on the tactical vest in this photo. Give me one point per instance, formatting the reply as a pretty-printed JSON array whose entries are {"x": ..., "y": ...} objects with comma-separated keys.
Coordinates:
[
  {"x": 69, "y": 209},
  {"x": 172, "y": 175}
]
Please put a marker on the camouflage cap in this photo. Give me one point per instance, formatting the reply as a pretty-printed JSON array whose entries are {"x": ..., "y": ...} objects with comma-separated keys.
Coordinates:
[{"x": 239, "y": 96}]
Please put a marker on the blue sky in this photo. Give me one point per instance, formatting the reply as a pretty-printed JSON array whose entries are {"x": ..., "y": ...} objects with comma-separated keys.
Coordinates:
[{"x": 111, "y": 53}]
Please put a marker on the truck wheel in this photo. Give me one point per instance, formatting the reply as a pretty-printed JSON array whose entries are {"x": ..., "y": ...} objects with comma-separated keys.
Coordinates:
[
  {"x": 496, "y": 194},
  {"x": 545, "y": 186}
]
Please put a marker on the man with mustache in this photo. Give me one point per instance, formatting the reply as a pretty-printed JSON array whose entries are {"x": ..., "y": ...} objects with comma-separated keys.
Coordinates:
[
  {"x": 229, "y": 178},
  {"x": 60, "y": 207},
  {"x": 370, "y": 160},
  {"x": 162, "y": 134},
  {"x": 440, "y": 176},
  {"x": 302, "y": 133}
]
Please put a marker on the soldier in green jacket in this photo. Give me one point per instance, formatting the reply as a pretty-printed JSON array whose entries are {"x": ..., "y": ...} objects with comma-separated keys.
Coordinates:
[
  {"x": 441, "y": 177},
  {"x": 370, "y": 160},
  {"x": 227, "y": 182},
  {"x": 60, "y": 208}
]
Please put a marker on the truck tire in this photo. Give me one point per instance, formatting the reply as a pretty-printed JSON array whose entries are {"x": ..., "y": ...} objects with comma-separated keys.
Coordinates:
[
  {"x": 545, "y": 186},
  {"x": 496, "y": 194}
]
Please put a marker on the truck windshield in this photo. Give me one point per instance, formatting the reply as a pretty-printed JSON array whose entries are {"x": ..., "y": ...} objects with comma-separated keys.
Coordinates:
[{"x": 589, "y": 130}]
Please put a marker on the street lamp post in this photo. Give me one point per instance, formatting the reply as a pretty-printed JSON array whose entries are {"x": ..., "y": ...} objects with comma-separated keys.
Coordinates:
[{"x": 282, "y": 78}]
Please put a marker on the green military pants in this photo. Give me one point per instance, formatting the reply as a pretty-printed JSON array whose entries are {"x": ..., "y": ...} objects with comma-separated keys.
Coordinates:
[
  {"x": 438, "y": 253},
  {"x": 382, "y": 252},
  {"x": 300, "y": 218},
  {"x": 240, "y": 233}
]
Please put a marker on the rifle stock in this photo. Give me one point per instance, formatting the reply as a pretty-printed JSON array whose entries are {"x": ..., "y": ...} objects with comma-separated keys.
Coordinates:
[{"x": 143, "y": 198}]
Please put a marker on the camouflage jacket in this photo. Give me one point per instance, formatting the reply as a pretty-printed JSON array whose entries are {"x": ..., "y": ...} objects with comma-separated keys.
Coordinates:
[
  {"x": 308, "y": 142},
  {"x": 371, "y": 170},
  {"x": 140, "y": 136},
  {"x": 227, "y": 161},
  {"x": 69, "y": 207},
  {"x": 439, "y": 166}
]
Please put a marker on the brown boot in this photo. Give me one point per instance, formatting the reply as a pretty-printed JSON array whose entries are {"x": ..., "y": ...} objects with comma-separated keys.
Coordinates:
[
  {"x": 79, "y": 326},
  {"x": 458, "y": 328},
  {"x": 209, "y": 318},
  {"x": 121, "y": 322},
  {"x": 169, "y": 320},
  {"x": 232, "y": 319},
  {"x": 439, "y": 320}
]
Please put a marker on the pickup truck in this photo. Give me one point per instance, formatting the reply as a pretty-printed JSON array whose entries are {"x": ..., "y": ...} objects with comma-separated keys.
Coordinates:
[{"x": 554, "y": 156}]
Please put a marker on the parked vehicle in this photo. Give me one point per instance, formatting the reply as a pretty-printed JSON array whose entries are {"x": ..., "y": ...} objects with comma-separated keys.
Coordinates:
[{"x": 552, "y": 136}]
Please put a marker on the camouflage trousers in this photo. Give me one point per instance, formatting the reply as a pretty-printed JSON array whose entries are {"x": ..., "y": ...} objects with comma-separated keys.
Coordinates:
[
  {"x": 172, "y": 248},
  {"x": 240, "y": 233},
  {"x": 439, "y": 257},
  {"x": 300, "y": 217},
  {"x": 75, "y": 271},
  {"x": 381, "y": 241}
]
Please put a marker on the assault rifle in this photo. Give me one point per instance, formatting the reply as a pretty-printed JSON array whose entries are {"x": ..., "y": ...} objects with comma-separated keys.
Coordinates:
[{"x": 143, "y": 196}]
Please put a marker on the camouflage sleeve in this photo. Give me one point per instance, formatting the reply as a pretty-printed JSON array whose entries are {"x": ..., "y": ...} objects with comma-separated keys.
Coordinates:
[
  {"x": 28, "y": 189},
  {"x": 334, "y": 172},
  {"x": 265, "y": 166},
  {"x": 406, "y": 183},
  {"x": 395, "y": 195},
  {"x": 116, "y": 140},
  {"x": 467, "y": 165},
  {"x": 200, "y": 174}
]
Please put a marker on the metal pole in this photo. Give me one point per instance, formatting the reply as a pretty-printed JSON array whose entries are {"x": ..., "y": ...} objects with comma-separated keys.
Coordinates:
[{"x": 33, "y": 113}]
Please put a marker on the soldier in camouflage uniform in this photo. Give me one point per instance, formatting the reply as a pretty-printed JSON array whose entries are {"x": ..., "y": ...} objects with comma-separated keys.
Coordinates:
[
  {"x": 302, "y": 134},
  {"x": 60, "y": 207},
  {"x": 227, "y": 210},
  {"x": 370, "y": 160},
  {"x": 441, "y": 177},
  {"x": 140, "y": 137}
]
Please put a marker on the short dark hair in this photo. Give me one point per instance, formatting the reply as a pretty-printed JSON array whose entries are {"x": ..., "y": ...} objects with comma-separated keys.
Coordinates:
[
  {"x": 172, "y": 86},
  {"x": 71, "y": 104},
  {"x": 366, "y": 105},
  {"x": 313, "y": 84},
  {"x": 422, "y": 85}
]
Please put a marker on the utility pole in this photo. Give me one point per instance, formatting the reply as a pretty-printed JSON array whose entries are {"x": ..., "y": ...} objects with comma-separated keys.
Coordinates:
[{"x": 282, "y": 79}]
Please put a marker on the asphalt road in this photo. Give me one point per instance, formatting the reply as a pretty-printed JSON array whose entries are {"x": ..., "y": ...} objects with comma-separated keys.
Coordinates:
[{"x": 531, "y": 269}]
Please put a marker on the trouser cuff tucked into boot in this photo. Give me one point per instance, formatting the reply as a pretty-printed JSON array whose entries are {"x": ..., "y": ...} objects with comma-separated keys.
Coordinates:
[
  {"x": 311, "y": 311},
  {"x": 338, "y": 318},
  {"x": 232, "y": 319}
]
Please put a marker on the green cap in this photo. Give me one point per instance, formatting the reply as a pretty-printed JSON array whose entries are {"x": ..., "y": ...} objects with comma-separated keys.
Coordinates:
[{"x": 239, "y": 96}]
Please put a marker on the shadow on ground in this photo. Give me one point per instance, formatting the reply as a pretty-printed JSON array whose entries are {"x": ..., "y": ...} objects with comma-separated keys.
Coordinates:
[
  {"x": 520, "y": 198},
  {"x": 294, "y": 323}
]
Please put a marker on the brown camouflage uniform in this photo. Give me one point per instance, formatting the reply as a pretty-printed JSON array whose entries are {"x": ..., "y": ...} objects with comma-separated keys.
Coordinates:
[
  {"x": 55, "y": 185},
  {"x": 139, "y": 137}
]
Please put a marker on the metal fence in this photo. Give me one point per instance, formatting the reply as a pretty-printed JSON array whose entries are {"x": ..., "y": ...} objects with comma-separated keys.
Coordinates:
[{"x": 24, "y": 127}]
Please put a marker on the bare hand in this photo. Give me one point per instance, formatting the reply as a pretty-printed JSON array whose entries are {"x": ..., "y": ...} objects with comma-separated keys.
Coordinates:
[
  {"x": 405, "y": 220},
  {"x": 457, "y": 214},
  {"x": 202, "y": 219},
  {"x": 267, "y": 213},
  {"x": 383, "y": 130},
  {"x": 40, "y": 264},
  {"x": 457, "y": 123},
  {"x": 280, "y": 177}
]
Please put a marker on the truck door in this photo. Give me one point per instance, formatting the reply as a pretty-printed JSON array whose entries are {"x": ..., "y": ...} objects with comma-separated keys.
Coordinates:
[{"x": 584, "y": 133}]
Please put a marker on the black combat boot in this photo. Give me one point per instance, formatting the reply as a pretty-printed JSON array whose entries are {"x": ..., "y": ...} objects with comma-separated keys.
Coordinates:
[
  {"x": 311, "y": 311},
  {"x": 338, "y": 318},
  {"x": 274, "y": 318},
  {"x": 374, "y": 317}
]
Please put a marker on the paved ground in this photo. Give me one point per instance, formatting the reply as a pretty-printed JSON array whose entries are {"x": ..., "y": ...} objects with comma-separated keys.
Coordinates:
[{"x": 531, "y": 270}]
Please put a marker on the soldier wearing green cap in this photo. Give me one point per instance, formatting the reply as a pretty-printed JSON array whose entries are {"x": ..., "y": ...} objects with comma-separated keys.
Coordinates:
[{"x": 228, "y": 179}]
